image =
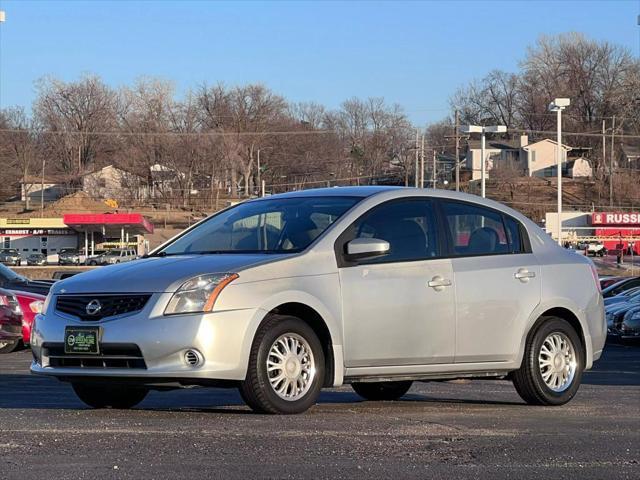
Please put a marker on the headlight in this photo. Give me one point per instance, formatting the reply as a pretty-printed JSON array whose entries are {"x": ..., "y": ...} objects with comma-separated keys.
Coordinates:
[
  {"x": 36, "y": 306},
  {"x": 199, "y": 294}
]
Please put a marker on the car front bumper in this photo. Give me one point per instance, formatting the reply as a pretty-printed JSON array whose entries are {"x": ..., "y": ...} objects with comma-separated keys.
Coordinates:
[{"x": 222, "y": 339}]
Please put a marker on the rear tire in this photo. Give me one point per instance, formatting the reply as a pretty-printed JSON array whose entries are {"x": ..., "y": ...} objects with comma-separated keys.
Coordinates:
[
  {"x": 8, "y": 347},
  {"x": 552, "y": 366},
  {"x": 284, "y": 347},
  {"x": 381, "y": 390},
  {"x": 108, "y": 396}
]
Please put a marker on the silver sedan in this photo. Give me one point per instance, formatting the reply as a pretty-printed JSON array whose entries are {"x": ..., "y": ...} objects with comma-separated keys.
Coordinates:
[{"x": 372, "y": 286}]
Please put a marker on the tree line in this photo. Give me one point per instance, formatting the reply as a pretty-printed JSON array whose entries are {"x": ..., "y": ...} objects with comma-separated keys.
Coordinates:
[{"x": 231, "y": 138}]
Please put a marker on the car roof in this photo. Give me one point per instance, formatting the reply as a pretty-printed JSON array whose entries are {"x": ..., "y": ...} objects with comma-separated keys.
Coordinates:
[{"x": 364, "y": 191}]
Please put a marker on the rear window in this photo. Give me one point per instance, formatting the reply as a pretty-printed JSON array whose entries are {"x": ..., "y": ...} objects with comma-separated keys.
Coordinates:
[{"x": 475, "y": 230}]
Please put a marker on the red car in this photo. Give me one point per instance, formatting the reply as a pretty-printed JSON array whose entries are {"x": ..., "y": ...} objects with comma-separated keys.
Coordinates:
[
  {"x": 30, "y": 304},
  {"x": 10, "y": 322}
]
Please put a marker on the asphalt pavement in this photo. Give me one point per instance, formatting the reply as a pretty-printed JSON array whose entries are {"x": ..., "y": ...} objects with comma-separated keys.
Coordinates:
[{"x": 459, "y": 429}]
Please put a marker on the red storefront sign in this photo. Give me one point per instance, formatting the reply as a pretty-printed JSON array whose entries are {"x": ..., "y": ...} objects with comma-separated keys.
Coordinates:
[
  {"x": 625, "y": 221},
  {"x": 615, "y": 218}
]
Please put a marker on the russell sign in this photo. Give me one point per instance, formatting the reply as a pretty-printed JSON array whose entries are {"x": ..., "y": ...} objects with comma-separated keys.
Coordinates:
[{"x": 615, "y": 218}]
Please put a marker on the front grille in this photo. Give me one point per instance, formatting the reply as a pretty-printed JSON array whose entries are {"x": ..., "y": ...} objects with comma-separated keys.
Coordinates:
[
  {"x": 112, "y": 355},
  {"x": 110, "y": 305}
]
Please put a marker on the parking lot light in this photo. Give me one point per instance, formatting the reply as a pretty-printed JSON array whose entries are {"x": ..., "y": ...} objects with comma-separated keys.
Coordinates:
[{"x": 483, "y": 130}]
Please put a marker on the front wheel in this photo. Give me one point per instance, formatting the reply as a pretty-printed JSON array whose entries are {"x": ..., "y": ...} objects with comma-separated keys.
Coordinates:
[
  {"x": 552, "y": 365},
  {"x": 106, "y": 396},
  {"x": 381, "y": 390},
  {"x": 286, "y": 367}
]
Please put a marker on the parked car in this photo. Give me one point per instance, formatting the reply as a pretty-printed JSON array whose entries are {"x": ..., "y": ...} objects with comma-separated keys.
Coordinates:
[
  {"x": 10, "y": 322},
  {"x": 14, "y": 281},
  {"x": 36, "y": 259},
  {"x": 621, "y": 297},
  {"x": 30, "y": 305},
  {"x": 629, "y": 327},
  {"x": 373, "y": 286},
  {"x": 117, "y": 256},
  {"x": 621, "y": 286},
  {"x": 595, "y": 248},
  {"x": 96, "y": 258},
  {"x": 608, "y": 281},
  {"x": 69, "y": 256},
  {"x": 10, "y": 256}
]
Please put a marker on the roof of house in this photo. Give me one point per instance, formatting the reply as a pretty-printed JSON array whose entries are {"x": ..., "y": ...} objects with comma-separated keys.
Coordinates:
[
  {"x": 495, "y": 144},
  {"x": 548, "y": 140},
  {"x": 49, "y": 179},
  {"x": 114, "y": 166}
]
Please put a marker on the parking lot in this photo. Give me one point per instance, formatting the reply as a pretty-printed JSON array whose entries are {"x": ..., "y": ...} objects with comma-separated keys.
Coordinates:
[{"x": 471, "y": 429}]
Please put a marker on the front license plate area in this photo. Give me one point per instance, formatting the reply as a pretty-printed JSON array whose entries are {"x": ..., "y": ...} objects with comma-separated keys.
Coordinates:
[{"x": 82, "y": 340}]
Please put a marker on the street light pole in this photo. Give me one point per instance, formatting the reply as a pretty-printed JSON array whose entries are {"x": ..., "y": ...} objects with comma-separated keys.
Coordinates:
[
  {"x": 483, "y": 130},
  {"x": 483, "y": 165},
  {"x": 557, "y": 106}
]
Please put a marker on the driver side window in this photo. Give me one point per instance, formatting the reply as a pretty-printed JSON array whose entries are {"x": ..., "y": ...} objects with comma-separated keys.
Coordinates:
[{"x": 408, "y": 225}]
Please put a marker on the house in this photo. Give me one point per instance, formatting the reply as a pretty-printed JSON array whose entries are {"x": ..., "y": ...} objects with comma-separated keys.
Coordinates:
[
  {"x": 116, "y": 183},
  {"x": 519, "y": 156},
  {"x": 629, "y": 156},
  {"x": 541, "y": 158},
  {"x": 498, "y": 154},
  {"x": 53, "y": 187}
]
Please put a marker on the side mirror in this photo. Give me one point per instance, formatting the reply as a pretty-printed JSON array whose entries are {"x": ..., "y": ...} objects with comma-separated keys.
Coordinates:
[{"x": 362, "y": 248}]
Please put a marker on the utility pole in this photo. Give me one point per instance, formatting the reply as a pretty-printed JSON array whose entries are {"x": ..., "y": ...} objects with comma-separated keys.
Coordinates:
[
  {"x": 434, "y": 168},
  {"x": 422, "y": 164},
  {"x": 613, "y": 132},
  {"x": 604, "y": 156},
  {"x": 259, "y": 179},
  {"x": 417, "y": 154},
  {"x": 457, "y": 134},
  {"x": 42, "y": 190}
]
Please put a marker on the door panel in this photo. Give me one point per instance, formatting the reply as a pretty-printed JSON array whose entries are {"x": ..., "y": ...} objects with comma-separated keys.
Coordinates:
[
  {"x": 493, "y": 305},
  {"x": 392, "y": 317}
]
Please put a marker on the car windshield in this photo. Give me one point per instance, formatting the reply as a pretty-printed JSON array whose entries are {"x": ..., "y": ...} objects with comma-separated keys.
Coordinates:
[
  {"x": 283, "y": 225},
  {"x": 9, "y": 275}
]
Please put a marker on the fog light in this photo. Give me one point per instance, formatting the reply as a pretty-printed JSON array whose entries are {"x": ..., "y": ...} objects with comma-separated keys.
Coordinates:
[{"x": 193, "y": 358}]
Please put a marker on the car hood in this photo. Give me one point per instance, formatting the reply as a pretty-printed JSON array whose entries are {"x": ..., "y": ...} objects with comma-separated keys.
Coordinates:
[{"x": 157, "y": 274}]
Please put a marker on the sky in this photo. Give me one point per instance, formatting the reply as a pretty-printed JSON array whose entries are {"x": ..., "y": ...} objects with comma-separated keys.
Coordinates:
[{"x": 415, "y": 54}]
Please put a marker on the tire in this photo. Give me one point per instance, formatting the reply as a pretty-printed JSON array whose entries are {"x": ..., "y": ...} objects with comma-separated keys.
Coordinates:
[
  {"x": 108, "y": 396},
  {"x": 93, "y": 263},
  {"x": 528, "y": 379},
  {"x": 8, "y": 347},
  {"x": 257, "y": 390},
  {"x": 381, "y": 390}
]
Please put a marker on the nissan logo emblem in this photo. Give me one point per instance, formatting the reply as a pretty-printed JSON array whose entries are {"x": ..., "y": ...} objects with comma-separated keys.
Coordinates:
[{"x": 93, "y": 307}]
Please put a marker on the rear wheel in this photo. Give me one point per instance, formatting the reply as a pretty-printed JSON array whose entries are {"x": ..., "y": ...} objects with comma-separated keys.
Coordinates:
[
  {"x": 552, "y": 365},
  {"x": 286, "y": 367},
  {"x": 8, "y": 347},
  {"x": 381, "y": 390},
  {"x": 108, "y": 396}
]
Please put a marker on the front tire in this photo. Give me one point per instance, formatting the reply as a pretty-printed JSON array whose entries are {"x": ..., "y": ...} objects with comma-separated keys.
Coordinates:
[
  {"x": 381, "y": 390},
  {"x": 286, "y": 367},
  {"x": 106, "y": 396},
  {"x": 552, "y": 366}
]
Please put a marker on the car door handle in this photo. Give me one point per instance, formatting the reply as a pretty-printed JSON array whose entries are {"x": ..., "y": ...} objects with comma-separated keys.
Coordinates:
[
  {"x": 438, "y": 283},
  {"x": 524, "y": 275}
]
